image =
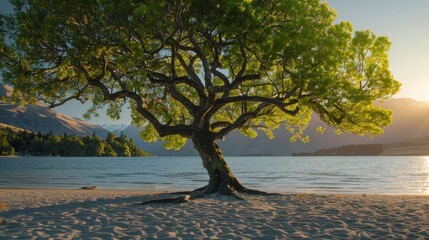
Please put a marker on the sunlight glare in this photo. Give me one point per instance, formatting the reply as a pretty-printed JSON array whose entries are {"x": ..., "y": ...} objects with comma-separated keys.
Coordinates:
[{"x": 426, "y": 170}]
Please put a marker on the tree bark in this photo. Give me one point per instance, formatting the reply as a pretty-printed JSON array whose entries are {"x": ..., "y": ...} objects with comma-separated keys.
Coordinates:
[{"x": 221, "y": 179}]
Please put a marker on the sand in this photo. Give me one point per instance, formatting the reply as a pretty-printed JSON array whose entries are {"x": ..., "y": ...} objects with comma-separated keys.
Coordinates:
[{"x": 113, "y": 214}]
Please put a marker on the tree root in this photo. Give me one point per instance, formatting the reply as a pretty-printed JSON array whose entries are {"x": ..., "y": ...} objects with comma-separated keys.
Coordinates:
[
  {"x": 201, "y": 192},
  {"x": 257, "y": 192},
  {"x": 177, "y": 200}
]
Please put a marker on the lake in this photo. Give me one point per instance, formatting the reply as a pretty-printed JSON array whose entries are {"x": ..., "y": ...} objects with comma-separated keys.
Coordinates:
[{"x": 357, "y": 175}]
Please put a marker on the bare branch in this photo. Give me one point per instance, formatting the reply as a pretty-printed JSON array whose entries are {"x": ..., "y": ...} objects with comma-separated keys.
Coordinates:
[
  {"x": 203, "y": 58},
  {"x": 244, "y": 64},
  {"x": 193, "y": 76},
  {"x": 192, "y": 108},
  {"x": 240, "y": 121},
  {"x": 325, "y": 115},
  {"x": 220, "y": 75},
  {"x": 235, "y": 84},
  {"x": 220, "y": 124},
  {"x": 162, "y": 129},
  {"x": 240, "y": 79},
  {"x": 278, "y": 102},
  {"x": 76, "y": 96},
  {"x": 164, "y": 80}
]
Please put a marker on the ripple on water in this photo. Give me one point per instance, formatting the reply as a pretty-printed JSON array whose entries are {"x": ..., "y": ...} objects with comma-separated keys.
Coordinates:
[{"x": 288, "y": 174}]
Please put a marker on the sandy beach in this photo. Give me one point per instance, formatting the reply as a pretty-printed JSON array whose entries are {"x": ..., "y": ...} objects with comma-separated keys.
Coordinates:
[{"x": 114, "y": 214}]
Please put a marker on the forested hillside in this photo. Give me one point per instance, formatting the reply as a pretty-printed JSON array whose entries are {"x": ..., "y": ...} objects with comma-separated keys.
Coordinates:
[{"x": 30, "y": 143}]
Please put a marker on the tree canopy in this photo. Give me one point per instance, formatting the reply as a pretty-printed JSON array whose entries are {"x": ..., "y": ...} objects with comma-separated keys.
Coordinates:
[
  {"x": 234, "y": 64},
  {"x": 193, "y": 68}
]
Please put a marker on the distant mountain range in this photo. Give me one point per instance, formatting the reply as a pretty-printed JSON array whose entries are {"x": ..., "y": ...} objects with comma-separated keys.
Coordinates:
[
  {"x": 39, "y": 118},
  {"x": 410, "y": 127},
  {"x": 114, "y": 128}
]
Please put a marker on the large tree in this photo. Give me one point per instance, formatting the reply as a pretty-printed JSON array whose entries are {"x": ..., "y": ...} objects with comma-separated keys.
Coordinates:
[{"x": 199, "y": 70}]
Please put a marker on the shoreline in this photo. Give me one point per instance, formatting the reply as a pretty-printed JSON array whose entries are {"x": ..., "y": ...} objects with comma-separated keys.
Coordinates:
[
  {"x": 170, "y": 189},
  {"x": 113, "y": 214}
]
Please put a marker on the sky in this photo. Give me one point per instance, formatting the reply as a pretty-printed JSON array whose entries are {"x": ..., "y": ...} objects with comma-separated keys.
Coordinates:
[{"x": 405, "y": 22}]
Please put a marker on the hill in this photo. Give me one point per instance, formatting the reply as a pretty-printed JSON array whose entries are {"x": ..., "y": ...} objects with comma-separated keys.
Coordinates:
[
  {"x": 412, "y": 147},
  {"x": 12, "y": 128},
  {"x": 347, "y": 150},
  {"x": 39, "y": 118}
]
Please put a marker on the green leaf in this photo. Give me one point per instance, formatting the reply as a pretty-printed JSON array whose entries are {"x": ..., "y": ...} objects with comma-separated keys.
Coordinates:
[{"x": 188, "y": 65}]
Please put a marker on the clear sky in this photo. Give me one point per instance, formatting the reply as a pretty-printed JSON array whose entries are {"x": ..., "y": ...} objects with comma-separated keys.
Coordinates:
[{"x": 405, "y": 22}]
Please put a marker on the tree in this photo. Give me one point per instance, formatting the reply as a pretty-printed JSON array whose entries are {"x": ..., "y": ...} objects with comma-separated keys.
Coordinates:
[
  {"x": 37, "y": 145},
  {"x": 110, "y": 137},
  {"x": 4, "y": 144},
  {"x": 94, "y": 146},
  {"x": 72, "y": 146},
  {"x": 53, "y": 144},
  {"x": 199, "y": 70}
]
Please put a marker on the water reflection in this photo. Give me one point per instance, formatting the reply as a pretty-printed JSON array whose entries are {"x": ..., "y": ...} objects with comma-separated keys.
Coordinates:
[{"x": 426, "y": 170}]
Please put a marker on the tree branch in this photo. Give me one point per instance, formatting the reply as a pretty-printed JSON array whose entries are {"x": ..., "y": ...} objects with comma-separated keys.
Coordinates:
[
  {"x": 76, "y": 96},
  {"x": 162, "y": 129},
  {"x": 220, "y": 124},
  {"x": 278, "y": 102},
  {"x": 240, "y": 121},
  {"x": 164, "y": 80},
  {"x": 234, "y": 85},
  {"x": 244, "y": 64},
  {"x": 193, "y": 76},
  {"x": 325, "y": 115},
  {"x": 202, "y": 57}
]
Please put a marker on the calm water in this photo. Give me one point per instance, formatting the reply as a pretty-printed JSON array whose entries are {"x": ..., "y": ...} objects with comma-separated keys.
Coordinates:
[{"x": 384, "y": 175}]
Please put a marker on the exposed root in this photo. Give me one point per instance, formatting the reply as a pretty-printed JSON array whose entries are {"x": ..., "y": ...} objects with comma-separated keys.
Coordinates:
[
  {"x": 182, "y": 199},
  {"x": 236, "y": 195},
  {"x": 257, "y": 192},
  {"x": 204, "y": 191},
  {"x": 189, "y": 192}
]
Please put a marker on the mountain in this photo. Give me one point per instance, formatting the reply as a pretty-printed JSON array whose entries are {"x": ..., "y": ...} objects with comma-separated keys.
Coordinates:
[
  {"x": 408, "y": 122},
  {"x": 39, "y": 118},
  {"x": 5, "y": 91},
  {"x": 114, "y": 128}
]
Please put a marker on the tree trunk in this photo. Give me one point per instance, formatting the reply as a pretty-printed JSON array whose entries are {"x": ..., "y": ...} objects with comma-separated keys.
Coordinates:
[{"x": 221, "y": 179}]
